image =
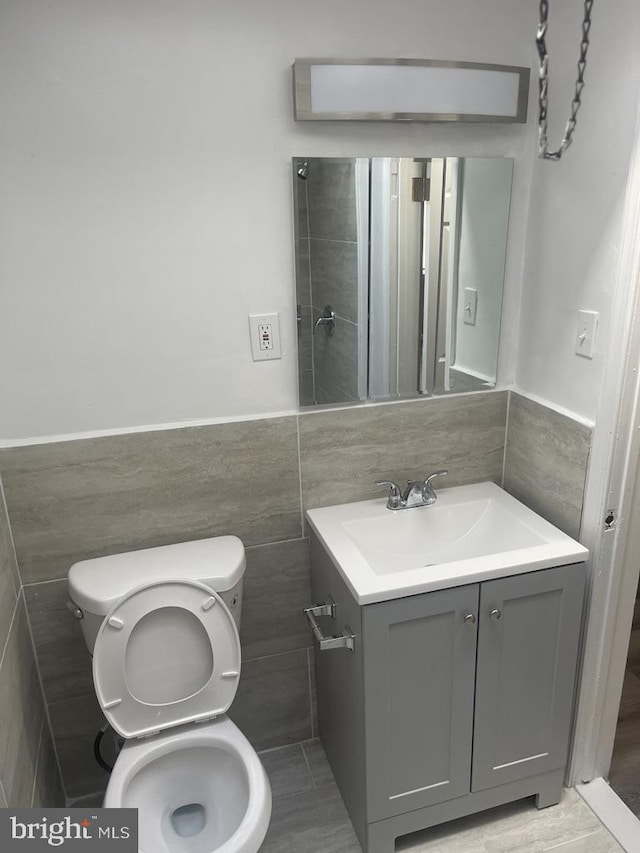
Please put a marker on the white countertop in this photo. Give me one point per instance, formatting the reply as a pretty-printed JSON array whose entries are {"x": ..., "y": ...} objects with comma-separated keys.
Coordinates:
[{"x": 472, "y": 533}]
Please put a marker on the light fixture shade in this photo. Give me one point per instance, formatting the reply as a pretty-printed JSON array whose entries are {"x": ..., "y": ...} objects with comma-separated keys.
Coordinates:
[{"x": 408, "y": 90}]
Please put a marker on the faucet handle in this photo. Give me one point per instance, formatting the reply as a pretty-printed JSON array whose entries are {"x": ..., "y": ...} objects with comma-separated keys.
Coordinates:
[
  {"x": 393, "y": 487},
  {"x": 428, "y": 494},
  {"x": 427, "y": 480},
  {"x": 395, "y": 495}
]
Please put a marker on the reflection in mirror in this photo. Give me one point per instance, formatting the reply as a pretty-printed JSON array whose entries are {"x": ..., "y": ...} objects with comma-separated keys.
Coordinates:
[{"x": 399, "y": 275}]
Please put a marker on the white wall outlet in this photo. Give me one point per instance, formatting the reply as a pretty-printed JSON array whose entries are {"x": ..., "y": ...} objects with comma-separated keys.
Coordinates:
[
  {"x": 265, "y": 336},
  {"x": 470, "y": 306},
  {"x": 586, "y": 334}
]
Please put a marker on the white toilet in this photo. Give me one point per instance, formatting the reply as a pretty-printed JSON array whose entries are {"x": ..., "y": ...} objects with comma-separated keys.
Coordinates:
[{"x": 162, "y": 625}]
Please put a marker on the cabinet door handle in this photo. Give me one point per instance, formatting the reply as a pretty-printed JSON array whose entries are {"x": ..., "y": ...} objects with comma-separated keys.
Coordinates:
[
  {"x": 495, "y": 614},
  {"x": 470, "y": 619}
]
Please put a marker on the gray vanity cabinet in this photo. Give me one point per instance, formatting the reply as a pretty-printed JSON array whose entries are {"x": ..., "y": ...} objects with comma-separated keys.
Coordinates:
[
  {"x": 452, "y": 702},
  {"x": 419, "y": 674},
  {"x": 526, "y": 674}
]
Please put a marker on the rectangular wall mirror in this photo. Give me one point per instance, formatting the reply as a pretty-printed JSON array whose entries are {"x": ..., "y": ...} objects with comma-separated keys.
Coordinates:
[{"x": 399, "y": 275}]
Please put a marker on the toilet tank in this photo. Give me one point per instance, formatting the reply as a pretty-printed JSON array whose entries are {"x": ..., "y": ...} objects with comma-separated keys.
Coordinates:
[{"x": 96, "y": 585}]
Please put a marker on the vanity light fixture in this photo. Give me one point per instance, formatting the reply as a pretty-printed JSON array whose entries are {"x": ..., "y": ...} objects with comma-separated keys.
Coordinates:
[{"x": 409, "y": 90}]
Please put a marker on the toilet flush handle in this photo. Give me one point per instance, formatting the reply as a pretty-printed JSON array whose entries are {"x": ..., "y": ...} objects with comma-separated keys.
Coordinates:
[{"x": 74, "y": 610}]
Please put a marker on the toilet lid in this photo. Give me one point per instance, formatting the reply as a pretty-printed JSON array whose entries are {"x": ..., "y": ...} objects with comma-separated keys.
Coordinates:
[{"x": 166, "y": 654}]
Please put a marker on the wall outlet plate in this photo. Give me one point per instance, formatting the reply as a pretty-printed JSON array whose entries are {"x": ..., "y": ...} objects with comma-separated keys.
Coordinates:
[{"x": 264, "y": 330}]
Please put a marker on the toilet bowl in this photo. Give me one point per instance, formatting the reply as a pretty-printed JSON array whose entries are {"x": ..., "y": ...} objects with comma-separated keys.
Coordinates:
[
  {"x": 162, "y": 625},
  {"x": 197, "y": 790}
]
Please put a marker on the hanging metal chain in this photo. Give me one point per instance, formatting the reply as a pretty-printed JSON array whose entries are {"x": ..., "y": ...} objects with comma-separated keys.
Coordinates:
[{"x": 543, "y": 97}]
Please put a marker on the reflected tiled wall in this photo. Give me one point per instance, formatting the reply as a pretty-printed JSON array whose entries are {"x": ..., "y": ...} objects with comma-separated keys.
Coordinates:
[
  {"x": 74, "y": 500},
  {"x": 303, "y": 291},
  {"x": 29, "y": 773},
  {"x": 327, "y": 274}
]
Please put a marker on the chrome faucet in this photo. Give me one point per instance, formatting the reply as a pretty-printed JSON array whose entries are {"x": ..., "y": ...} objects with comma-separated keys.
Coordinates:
[{"x": 416, "y": 493}]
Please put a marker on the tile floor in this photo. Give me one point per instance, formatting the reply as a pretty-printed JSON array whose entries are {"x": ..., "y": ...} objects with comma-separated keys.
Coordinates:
[
  {"x": 309, "y": 817},
  {"x": 624, "y": 775}
]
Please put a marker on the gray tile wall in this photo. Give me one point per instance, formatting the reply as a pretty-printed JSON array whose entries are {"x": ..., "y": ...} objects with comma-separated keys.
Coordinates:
[
  {"x": 74, "y": 500},
  {"x": 345, "y": 451},
  {"x": 78, "y": 499},
  {"x": 9, "y": 578},
  {"x": 327, "y": 274},
  {"x": 546, "y": 462},
  {"x": 29, "y": 773},
  {"x": 303, "y": 292}
]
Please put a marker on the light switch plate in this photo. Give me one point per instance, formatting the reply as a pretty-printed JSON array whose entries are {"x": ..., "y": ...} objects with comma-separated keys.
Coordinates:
[
  {"x": 470, "y": 306},
  {"x": 586, "y": 333},
  {"x": 264, "y": 330}
]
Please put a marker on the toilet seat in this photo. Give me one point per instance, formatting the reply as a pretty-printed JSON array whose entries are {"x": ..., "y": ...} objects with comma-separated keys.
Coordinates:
[{"x": 166, "y": 654}]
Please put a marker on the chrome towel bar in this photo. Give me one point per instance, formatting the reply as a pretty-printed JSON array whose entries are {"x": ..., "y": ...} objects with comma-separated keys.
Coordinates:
[{"x": 346, "y": 640}]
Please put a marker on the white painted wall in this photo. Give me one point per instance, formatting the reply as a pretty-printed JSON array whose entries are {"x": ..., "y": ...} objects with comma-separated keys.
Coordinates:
[
  {"x": 145, "y": 199},
  {"x": 486, "y": 197},
  {"x": 575, "y": 223}
]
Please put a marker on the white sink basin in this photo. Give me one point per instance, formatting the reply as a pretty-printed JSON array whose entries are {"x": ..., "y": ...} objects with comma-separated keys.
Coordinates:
[
  {"x": 472, "y": 533},
  {"x": 446, "y": 532}
]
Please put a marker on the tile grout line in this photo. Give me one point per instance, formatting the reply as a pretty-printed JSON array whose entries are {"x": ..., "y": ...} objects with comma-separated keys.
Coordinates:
[
  {"x": 571, "y": 841},
  {"x": 38, "y": 757},
  {"x": 5, "y": 507},
  {"x": 506, "y": 437},
  {"x": 306, "y": 761},
  {"x": 54, "y": 747},
  {"x": 278, "y": 654},
  {"x": 46, "y": 715},
  {"x": 247, "y": 660},
  {"x": 6, "y": 642},
  {"x": 330, "y": 240},
  {"x": 72, "y": 699},
  {"x": 302, "y": 538},
  {"x": 300, "y": 475},
  {"x": 310, "y": 693},
  {"x": 286, "y": 745},
  {"x": 72, "y": 801},
  {"x": 344, "y": 320},
  {"x": 41, "y": 583}
]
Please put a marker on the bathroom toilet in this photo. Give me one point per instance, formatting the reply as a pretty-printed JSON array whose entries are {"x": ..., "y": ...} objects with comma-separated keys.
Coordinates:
[{"x": 162, "y": 625}]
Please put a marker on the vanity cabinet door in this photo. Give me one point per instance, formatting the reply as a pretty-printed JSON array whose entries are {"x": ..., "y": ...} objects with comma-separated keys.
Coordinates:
[
  {"x": 529, "y": 630},
  {"x": 419, "y": 672}
]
